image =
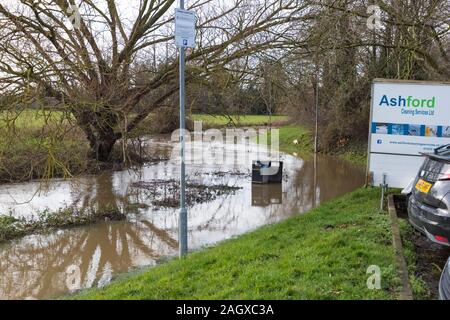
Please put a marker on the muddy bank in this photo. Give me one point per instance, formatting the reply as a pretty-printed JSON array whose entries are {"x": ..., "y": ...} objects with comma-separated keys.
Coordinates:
[{"x": 431, "y": 259}]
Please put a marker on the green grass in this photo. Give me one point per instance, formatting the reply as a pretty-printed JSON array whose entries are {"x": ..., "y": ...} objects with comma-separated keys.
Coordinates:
[
  {"x": 11, "y": 227},
  {"x": 358, "y": 157},
  {"x": 32, "y": 119},
  {"x": 323, "y": 254},
  {"x": 418, "y": 285},
  {"x": 239, "y": 120},
  {"x": 296, "y": 139}
]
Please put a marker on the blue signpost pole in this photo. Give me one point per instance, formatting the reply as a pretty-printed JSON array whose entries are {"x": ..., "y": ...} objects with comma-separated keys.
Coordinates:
[{"x": 182, "y": 223}]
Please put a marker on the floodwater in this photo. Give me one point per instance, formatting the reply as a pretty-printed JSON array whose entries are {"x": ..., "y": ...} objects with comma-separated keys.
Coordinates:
[{"x": 45, "y": 266}]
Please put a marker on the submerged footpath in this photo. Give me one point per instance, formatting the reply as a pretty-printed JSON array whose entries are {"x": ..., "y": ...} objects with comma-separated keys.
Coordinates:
[{"x": 327, "y": 253}]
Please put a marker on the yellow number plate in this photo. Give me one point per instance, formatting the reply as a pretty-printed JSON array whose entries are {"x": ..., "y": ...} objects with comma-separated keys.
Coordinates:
[{"x": 423, "y": 186}]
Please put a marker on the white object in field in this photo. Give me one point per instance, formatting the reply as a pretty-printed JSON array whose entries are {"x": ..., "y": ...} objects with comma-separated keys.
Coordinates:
[
  {"x": 295, "y": 141},
  {"x": 408, "y": 118},
  {"x": 185, "y": 28}
]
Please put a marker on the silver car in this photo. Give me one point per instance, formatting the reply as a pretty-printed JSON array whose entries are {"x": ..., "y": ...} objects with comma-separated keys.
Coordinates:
[{"x": 444, "y": 284}]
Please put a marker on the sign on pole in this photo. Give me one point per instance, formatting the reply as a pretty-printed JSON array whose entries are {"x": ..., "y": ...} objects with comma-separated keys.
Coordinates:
[
  {"x": 184, "y": 28},
  {"x": 184, "y": 38},
  {"x": 407, "y": 118}
]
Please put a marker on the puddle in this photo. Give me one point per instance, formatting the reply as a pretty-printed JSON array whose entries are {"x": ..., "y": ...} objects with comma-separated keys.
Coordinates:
[{"x": 48, "y": 265}]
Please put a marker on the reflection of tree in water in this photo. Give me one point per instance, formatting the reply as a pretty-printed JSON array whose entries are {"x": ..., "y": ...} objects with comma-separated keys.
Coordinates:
[
  {"x": 321, "y": 180},
  {"x": 37, "y": 265},
  {"x": 100, "y": 193}
]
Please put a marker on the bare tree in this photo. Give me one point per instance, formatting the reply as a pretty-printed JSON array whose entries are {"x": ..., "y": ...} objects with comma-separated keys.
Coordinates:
[
  {"x": 92, "y": 68},
  {"x": 411, "y": 42}
]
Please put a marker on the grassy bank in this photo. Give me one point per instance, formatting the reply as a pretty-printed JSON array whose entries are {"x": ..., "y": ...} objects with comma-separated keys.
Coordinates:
[
  {"x": 296, "y": 139},
  {"x": 323, "y": 254},
  {"x": 299, "y": 140},
  {"x": 11, "y": 228}
]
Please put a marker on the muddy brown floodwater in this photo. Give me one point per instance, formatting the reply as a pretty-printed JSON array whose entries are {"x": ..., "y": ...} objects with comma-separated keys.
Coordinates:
[{"x": 45, "y": 266}]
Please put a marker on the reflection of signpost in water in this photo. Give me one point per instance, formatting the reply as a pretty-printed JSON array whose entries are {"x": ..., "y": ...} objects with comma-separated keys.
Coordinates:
[{"x": 184, "y": 38}]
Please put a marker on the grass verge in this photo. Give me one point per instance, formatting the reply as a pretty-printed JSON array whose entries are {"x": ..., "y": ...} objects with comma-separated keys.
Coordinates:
[
  {"x": 354, "y": 152},
  {"x": 418, "y": 285},
  {"x": 323, "y": 254}
]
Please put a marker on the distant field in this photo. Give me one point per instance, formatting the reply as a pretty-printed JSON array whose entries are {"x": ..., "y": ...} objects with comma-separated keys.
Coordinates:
[
  {"x": 241, "y": 120},
  {"x": 35, "y": 119},
  {"x": 31, "y": 119}
]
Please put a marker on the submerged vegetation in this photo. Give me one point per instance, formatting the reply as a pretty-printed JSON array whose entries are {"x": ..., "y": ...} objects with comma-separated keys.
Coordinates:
[
  {"x": 11, "y": 227},
  {"x": 166, "y": 193}
]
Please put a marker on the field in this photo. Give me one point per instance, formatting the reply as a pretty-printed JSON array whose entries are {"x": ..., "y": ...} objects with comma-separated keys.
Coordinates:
[
  {"x": 40, "y": 144},
  {"x": 239, "y": 120}
]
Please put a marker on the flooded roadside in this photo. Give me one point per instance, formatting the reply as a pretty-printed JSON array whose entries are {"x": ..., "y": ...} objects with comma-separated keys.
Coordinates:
[{"x": 48, "y": 265}]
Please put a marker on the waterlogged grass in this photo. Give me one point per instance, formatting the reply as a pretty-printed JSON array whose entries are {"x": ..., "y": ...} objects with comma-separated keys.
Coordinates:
[
  {"x": 358, "y": 156},
  {"x": 11, "y": 227},
  {"x": 355, "y": 152},
  {"x": 323, "y": 254},
  {"x": 238, "y": 120},
  {"x": 25, "y": 157}
]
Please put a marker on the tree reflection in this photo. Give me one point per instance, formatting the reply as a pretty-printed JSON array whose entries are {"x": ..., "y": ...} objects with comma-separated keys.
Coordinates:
[{"x": 36, "y": 266}]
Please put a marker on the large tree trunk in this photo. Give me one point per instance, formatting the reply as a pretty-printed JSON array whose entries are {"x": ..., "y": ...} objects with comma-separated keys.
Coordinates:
[
  {"x": 103, "y": 147},
  {"x": 99, "y": 128}
]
